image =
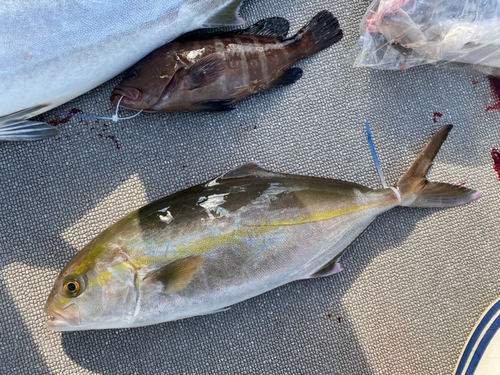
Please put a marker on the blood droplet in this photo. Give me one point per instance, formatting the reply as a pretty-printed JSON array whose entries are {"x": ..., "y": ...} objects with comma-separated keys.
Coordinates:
[
  {"x": 436, "y": 115},
  {"x": 57, "y": 121}
]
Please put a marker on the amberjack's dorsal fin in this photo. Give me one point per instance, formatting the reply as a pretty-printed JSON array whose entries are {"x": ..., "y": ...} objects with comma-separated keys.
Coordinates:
[
  {"x": 251, "y": 169},
  {"x": 276, "y": 27},
  {"x": 228, "y": 15}
]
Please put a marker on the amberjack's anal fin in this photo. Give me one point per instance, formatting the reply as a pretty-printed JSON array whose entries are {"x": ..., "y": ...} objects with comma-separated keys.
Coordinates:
[
  {"x": 330, "y": 269},
  {"x": 416, "y": 191}
]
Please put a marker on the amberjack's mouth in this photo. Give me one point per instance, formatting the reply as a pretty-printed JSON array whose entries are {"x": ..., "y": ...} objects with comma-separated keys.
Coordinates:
[
  {"x": 131, "y": 96},
  {"x": 63, "y": 319}
]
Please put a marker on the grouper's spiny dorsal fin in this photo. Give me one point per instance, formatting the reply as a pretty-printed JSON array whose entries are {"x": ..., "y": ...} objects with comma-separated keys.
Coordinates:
[{"x": 276, "y": 27}]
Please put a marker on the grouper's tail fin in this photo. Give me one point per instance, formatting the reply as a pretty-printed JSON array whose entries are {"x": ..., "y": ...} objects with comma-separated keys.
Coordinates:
[
  {"x": 320, "y": 33},
  {"x": 416, "y": 191}
]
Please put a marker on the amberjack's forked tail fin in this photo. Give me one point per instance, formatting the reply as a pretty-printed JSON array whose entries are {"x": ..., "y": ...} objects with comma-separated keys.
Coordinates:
[{"x": 416, "y": 191}]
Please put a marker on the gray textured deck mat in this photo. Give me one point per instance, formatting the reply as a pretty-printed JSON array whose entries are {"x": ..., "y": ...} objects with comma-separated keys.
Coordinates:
[{"x": 413, "y": 286}]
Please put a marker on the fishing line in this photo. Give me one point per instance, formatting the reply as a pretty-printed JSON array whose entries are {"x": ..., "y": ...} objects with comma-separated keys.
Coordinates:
[
  {"x": 114, "y": 118},
  {"x": 375, "y": 157},
  {"x": 377, "y": 163}
]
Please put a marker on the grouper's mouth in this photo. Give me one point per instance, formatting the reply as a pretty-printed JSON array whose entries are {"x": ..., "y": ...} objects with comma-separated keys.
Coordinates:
[{"x": 131, "y": 97}]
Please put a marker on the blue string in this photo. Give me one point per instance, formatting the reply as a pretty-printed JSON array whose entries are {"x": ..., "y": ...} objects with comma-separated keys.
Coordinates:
[
  {"x": 374, "y": 153},
  {"x": 82, "y": 116}
]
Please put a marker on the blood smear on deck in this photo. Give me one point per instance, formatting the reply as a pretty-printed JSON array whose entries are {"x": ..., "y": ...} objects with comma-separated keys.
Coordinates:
[
  {"x": 495, "y": 93},
  {"x": 57, "y": 121},
  {"x": 495, "y": 154}
]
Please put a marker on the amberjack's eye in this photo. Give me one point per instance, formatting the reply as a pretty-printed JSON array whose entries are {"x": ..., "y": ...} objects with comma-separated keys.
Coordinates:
[
  {"x": 72, "y": 287},
  {"x": 132, "y": 74}
]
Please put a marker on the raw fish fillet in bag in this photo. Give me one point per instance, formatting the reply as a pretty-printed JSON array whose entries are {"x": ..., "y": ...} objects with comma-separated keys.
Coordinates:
[{"x": 400, "y": 34}]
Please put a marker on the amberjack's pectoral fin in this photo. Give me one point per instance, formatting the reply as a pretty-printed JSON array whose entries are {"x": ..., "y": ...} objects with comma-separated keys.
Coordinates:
[
  {"x": 15, "y": 127},
  {"x": 206, "y": 71},
  {"x": 229, "y": 15},
  {"x": 276, "y": 27},
  {"x": 251, "y": 169},
  {"x": 177, "y": 275},
  {"x": 330, "y": 269}
]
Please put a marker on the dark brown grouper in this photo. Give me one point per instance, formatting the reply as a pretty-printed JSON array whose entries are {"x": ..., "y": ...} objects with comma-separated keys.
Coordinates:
[
  {"x": 211, "y": 73},
  {"x": 242, "y": 234}
]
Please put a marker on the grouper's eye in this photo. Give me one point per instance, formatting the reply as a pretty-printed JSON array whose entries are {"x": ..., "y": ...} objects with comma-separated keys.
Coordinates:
[
  {"x": 72, "y": 287},
  {"x": 132, "y": 74}
]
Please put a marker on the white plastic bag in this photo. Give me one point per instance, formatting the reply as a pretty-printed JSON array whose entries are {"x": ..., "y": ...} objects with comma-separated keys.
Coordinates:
[{"x": 400, "y": 34}]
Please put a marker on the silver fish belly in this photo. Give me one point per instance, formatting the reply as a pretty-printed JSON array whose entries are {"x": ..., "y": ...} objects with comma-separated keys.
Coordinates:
[{"x": 53, "y": 52}]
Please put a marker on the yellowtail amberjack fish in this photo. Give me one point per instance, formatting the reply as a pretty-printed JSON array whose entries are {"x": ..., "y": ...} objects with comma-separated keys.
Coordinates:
[
  {"x": 240, "y": 235},
  {"x": 54, "y": 51}
]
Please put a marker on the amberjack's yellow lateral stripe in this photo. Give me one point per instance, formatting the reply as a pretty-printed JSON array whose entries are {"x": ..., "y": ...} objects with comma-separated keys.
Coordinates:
[
  {"x": 108, "y": 274},
  {"x": 204, "y": 245},
  {"x": 198, "y": 247},
  {"x": 207, "y": 244},
  {"x": 318, "y": 216}
]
